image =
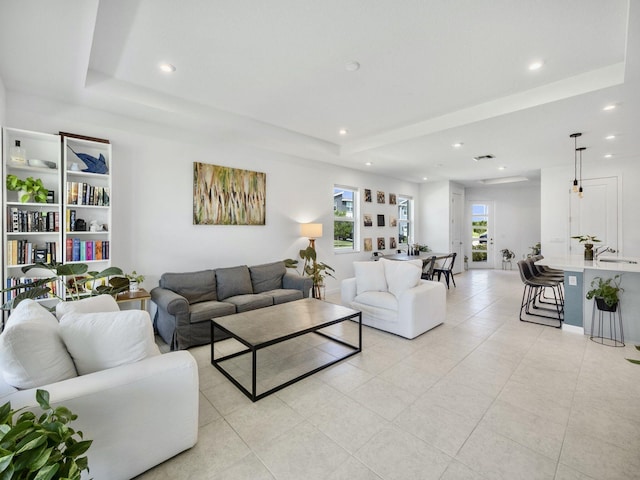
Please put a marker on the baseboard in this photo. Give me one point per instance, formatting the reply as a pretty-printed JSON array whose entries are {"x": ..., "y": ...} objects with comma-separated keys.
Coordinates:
[{"x": 573, "y": 329}]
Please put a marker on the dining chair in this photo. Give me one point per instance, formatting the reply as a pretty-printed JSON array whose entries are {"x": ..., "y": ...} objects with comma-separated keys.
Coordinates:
[
  {"x": 427, "y": 268},
  {"x": 446, "y": 269}
]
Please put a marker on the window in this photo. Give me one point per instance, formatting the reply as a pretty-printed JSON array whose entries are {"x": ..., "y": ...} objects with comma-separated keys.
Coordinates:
[
  {"x": 345, "y": 222},
  {"x": 405, "y": 213}
]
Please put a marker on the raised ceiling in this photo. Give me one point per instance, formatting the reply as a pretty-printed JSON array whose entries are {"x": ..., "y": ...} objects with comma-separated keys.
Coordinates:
[{"x": 432, "y": 73}]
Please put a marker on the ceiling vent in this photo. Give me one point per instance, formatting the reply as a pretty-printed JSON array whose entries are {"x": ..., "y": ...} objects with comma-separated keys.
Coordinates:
[{"x": 484, "y": 157}]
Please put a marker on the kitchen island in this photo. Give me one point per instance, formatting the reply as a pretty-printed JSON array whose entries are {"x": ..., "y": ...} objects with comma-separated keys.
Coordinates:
[{"x": 578, "y": 275}]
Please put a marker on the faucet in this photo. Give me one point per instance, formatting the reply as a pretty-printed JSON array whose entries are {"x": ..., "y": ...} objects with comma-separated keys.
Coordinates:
[{"x": 603, "y": 249}]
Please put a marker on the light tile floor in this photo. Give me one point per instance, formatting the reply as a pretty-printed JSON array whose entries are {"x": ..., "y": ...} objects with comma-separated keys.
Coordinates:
[{"x": 483, "y": 396}]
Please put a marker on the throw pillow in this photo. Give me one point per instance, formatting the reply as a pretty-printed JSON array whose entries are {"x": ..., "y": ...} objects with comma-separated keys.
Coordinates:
[
  {"x": 267, "y": 277},
  {"x": 194, "y": 286},
  {"x": 100, "y": 303},
  {"x": 233, "y": 281},
  {"x": 402, "y": 275},
  {"x": 31, "y": 351},
  {"x": 97, "y": 341},
  {"x": 370, "y": 277}
]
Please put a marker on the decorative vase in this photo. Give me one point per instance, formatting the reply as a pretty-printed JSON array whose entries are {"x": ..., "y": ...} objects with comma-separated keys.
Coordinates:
[
  {"x": 588, "y": 251},
  {"x": 134, "y": 286},
  {"x": 317, "y": 291},
  {"x": 602, "y": 305}
]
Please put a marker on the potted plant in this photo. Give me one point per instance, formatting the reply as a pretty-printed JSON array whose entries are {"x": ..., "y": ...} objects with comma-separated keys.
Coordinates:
[
  {"x": 27, "y": 189},
  {"x": 43, "y": 447},
  {"x": 74, "y": 278},
  {"x": 606, "y": 293},
  {"x": 316, "y": 270},
  {"x": 134, "y": 281},
  {"x": 507, "y": 254},
  {"x": 588, "y": 241}
]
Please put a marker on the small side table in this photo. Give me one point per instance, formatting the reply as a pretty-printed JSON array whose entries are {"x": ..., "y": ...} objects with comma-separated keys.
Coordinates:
[{"x": 140, "y": 296}]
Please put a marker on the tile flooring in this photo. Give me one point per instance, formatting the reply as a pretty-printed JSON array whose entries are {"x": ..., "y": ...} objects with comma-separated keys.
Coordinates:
[{"x": 483, "y": 396}]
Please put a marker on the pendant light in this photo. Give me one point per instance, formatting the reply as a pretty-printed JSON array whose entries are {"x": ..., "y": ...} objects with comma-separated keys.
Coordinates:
[
  {"x": 580, "y": 191},
  {"x": 575, "y": 160}
]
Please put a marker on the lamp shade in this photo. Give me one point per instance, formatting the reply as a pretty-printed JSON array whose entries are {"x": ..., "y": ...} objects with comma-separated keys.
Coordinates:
[{"x": 311, "y": 230}]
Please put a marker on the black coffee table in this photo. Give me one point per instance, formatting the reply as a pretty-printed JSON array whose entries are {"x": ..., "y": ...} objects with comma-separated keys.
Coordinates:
[{"x": 258, "y": 329}]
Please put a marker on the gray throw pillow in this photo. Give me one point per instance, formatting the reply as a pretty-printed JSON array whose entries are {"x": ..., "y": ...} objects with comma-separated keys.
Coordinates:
[
  {"x": 233, "y": 281},
  {"x": 194, "y": 286},
  {"x": 267, "y": 277}
]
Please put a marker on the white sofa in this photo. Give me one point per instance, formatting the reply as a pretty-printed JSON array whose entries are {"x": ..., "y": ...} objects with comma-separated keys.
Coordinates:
[
  {"x": 140, "y": 409},
  {"x": 393, "y": 297}
]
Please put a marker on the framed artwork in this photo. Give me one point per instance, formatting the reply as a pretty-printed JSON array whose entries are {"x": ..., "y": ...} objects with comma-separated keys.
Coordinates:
[
  {"x": 367, "y": 195},
  {"x": 228, "y": 196},
  {"x": 393, "y": 221},
  {"x": 380, "y": 197},
  {"x": 381, "y": 220},
  {"x": 368, "y": 245},
  {"x": 381, "y": 243},
  {"x": 392, "y": 242},
  {"x": 368, "y": 221},
  {"x": 392, "y": 199}
]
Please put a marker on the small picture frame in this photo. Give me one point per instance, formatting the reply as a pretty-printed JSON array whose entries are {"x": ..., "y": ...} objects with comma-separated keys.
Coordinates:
[
  {"x": 392, "y": 199},
  {"x": 367, "y": 195},
  {"x": 381, "y": 245},
  {"x": 381, "y": 220},
  {"x": 392, "y": 242},
  {"x": 393, "y": 221},
  {"x": 368, "y": 245},
  {"x": 380, "y": 196},
  {"x": 368, "y": 221}
]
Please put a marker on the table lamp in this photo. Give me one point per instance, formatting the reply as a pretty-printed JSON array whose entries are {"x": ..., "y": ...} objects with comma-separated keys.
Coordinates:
[{"x": 311, "y": 231}]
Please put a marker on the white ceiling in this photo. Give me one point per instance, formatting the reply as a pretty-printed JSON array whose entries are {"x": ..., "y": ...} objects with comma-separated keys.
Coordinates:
[{"x": 433, "y": 72}]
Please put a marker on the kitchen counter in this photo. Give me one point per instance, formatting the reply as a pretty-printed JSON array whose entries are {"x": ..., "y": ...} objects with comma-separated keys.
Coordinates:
[
  {"x": 578, "y": 275},
  {"x": 577, "y": 263}
]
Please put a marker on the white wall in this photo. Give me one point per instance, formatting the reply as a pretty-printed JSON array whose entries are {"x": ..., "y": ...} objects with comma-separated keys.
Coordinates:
[
  {"x": 433, "y": 218},
  {"x": 516, "y": 217},
  {"x": 556, "y": 184},
  {"x": 3, "y": 105},
  {"x": 153, "y": 193}
]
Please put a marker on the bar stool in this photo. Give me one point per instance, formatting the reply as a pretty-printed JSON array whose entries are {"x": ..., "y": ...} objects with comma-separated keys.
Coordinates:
[
  {"x": 601, "y": 338},
  {"x": 533, "y": 294}
]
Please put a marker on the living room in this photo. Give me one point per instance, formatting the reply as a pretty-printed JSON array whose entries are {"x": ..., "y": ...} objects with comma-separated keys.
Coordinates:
[{"x": 155, "y": 142}]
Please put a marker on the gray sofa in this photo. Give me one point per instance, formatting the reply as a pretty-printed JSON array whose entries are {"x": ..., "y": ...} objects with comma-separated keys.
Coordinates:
[{"x": 187, "y": 301}]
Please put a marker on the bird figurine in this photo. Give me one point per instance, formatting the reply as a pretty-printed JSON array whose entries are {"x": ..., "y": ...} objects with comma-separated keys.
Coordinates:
[{"x": 94, "y": 165}]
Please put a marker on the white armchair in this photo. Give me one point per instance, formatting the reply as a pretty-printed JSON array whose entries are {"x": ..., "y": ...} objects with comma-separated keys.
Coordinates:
[
  {"x": 393, "y": 298},
  {"x": 139, "y": 407}
]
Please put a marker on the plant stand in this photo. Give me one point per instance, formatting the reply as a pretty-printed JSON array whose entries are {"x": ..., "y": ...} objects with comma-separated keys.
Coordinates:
[
  {"x": 600, "y": 336},
  {"x": 506, "y": 262}
]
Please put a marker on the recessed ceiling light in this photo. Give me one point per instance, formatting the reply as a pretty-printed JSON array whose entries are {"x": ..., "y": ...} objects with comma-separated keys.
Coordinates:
[
  {"x": 368, "y": 164},
  {"x": 608, "y": 155},
  {"x": 502, "y": 167},
  {"x": 610, "y": 137},
  {"x": 167, "y": 68},
  {"x": 537, "y": 65},
  {"x": 425, "y": 178},
  {"x": 343, "y": 131},
  {"x": 609, "y": 107},
  {"x": 352, "y": 66},
  {"x": 457, "y": 145}
]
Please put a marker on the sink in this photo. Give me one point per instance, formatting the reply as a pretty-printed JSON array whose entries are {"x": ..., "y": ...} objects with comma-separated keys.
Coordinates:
[{"x": 616, "y": 260}]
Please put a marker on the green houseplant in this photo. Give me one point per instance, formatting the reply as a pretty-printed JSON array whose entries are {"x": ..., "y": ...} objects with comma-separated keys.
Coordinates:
[
  {"x": 317, "y": 271},
  {"x": 28, "y": 188},
  {"x": 41, "y": 447},
  {"x": 75, "y": 277},
  {"x": 135, "y": 280},
  {"x": 507, "y": 254},
  {"x": 588, "y": 241},
  {"x": 606, "y": 292}
]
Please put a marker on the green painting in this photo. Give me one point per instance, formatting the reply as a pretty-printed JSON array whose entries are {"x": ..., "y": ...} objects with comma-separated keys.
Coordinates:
[{"x": 228, "y": 196}]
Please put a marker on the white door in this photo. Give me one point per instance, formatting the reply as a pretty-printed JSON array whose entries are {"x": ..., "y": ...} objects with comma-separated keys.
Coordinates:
[
  {"x": 596, "y": 213},
  {"x": 481, "y": 234},
  {"x": 457, "y": 220}
]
